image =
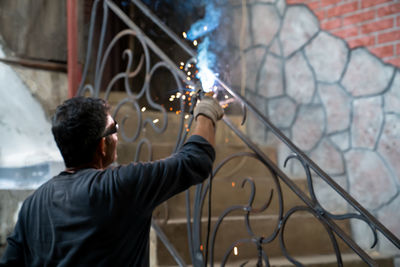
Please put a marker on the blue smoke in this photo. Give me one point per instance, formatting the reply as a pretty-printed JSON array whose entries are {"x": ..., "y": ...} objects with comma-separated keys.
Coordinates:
[
  {"x": 205, "y": 58},
  {"x": 207, "y": 24}
]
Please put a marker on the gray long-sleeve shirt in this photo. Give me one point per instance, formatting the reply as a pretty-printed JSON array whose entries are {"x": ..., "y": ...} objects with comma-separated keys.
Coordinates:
[{"x": 102, "y": 217}]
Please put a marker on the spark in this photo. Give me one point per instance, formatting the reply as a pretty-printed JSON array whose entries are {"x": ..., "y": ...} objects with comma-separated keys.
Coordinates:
[
  {"x": 233, "y": 184},
  {"x": 195, "y": 43},
  {"x": 171, "y": 99},
  {"x": 187, "y": 116},
  {"x": 156, "y": 120},
  {"x": 189, "y": 73},
  {"x": 182, "y": 64},
  {"x": 235, "y": 251},
  {"x": 143, "y": 109},
  {"x": 188, "y": 78},
  {"x": 184, "y": 35},
  {"x": 226, "y": 96},
  {"x": 205, "y": 28},
  {"x": 183, "y": 97}
]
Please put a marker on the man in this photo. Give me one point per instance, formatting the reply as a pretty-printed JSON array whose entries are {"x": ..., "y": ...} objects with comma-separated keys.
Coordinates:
[{"x": 91, "y": 215}]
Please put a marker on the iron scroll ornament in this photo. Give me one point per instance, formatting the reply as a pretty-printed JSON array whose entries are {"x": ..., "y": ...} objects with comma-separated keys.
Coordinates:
[{"x": 318, "y": 212}]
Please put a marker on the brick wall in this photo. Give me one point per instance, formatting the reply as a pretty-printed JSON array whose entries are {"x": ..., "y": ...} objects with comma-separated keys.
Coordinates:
[{"x": 374, "y": 24}]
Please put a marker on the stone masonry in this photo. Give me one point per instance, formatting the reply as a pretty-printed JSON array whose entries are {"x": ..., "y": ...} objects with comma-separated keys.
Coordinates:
[{"x": 340, "y": 105}]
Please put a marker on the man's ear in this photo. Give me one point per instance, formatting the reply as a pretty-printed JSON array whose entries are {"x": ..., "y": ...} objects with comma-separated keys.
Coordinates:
[{"x": 102, "y": 146}]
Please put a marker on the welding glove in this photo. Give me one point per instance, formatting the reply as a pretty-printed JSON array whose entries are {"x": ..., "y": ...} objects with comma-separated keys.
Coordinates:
[{"x": 209, "y": 107}]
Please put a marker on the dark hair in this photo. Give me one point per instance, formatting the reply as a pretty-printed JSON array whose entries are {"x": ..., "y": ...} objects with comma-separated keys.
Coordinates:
[{"x": 77, "y": 126}]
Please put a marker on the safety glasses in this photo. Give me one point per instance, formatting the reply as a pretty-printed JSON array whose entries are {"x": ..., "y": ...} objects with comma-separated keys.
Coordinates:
[{"x": 112, "y": 130}]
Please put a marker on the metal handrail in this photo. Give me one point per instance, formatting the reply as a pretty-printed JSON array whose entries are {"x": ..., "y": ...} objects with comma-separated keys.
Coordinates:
[{"x": 312, "y": 204}]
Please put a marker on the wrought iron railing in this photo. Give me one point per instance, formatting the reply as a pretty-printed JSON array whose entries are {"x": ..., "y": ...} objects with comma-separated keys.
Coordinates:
[{"x": 149, "y": 51}]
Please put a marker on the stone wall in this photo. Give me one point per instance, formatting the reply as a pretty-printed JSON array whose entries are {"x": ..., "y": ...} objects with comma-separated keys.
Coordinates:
[{"x": 340, "y": 105}]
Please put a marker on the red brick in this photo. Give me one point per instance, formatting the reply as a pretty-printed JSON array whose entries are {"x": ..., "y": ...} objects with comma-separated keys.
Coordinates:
[
  {"x": 377, "y": 26},
  {"x": 291, "y": 2},
  {"x": 362, "y": 41},
  {"x": 389, "y": 37},
  {"x": 320, "y": 14},
  {"x": 398, "y": 21},
  {"x": 314, "y": 5},
  {"x": 394, "y": 61},
  {"x": 383, "y": 51},
  {"x": 369, "y": 3},
  {"x": 360, "y": 17},
  {"x": 346, "y": 33},
  {"x": 331, "y": 24},
  {"x": 330, "y": 2},
  {"x": 389, "y": 10},
  {"x": 342, "y": 9},
  {"x": 398, "y": 49}
]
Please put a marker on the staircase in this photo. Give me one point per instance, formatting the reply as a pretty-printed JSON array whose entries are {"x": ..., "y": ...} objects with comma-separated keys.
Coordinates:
[
  {"x": 306, "y": 238},
  {"x": 283, "y": 225}
]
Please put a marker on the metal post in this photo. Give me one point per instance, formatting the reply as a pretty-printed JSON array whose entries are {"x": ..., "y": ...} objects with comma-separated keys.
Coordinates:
[{"x": 73, "y": 68}]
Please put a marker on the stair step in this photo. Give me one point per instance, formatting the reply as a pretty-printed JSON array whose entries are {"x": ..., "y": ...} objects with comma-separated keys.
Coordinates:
[
  {"x": 126, "y": 152},
  {"x": 245, "y": 165},
  {"x": 304, "y": 236},
  {"x": 351, "y": 260},
  {"x": 227, "y": 192}
]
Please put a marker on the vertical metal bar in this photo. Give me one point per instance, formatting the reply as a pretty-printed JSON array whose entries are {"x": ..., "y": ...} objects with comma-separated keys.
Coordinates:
[
  {"x": 74, "y": 75},
  {"x": 168, "y": 245}
]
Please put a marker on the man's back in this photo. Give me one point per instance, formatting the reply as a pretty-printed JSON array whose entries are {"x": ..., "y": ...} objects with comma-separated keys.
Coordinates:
[
  {"x": 102, "y": 217},
  {"x": 73, "y": 222}
]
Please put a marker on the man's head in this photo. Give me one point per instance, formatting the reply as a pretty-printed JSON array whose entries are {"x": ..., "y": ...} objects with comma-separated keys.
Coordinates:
[{"x": 84, "y": 131}]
